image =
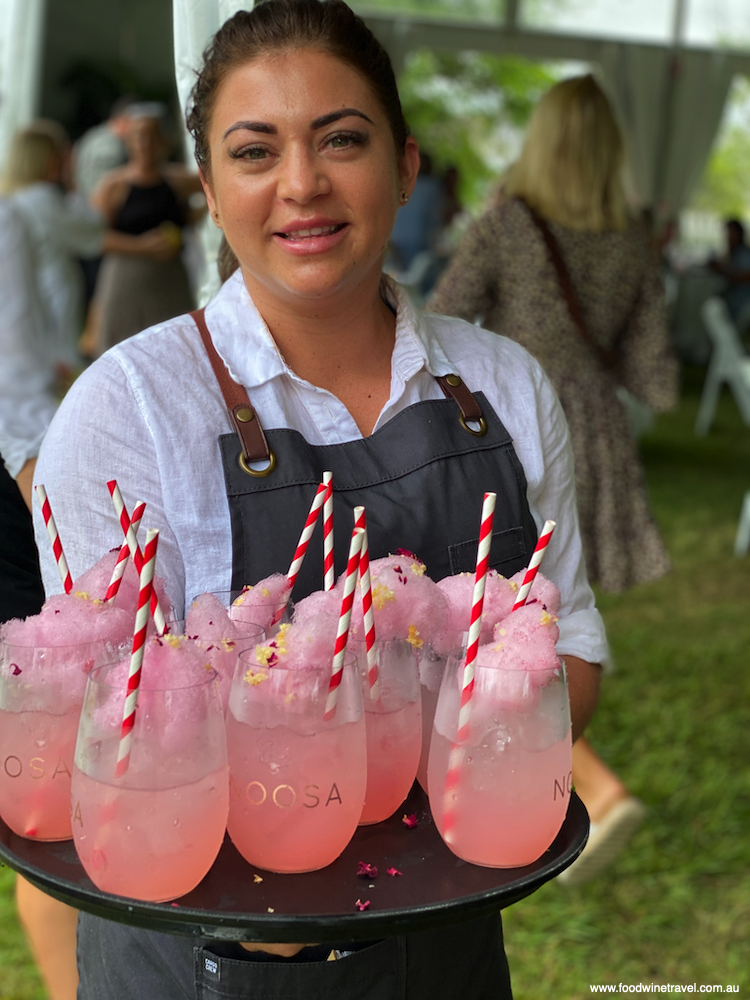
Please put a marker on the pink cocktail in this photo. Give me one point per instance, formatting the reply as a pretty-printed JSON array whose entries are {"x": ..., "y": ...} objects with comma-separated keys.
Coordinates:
[
  {"x": 393, "y": 722},
  {"x": 432, "y": 658},
  {"x": 512, "y": 773},
  {"x": 297, "y": 779},
  {"x": 153, "y": 832},
  {"x": 41, "y": 692}
]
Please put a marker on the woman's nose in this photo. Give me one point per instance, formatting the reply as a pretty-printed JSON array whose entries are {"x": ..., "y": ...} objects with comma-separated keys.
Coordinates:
[{"x": 302, "y": 176}]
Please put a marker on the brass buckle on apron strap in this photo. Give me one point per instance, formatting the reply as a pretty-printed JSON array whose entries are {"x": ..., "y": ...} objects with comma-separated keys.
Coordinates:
[{"x": 469, "y": 409}]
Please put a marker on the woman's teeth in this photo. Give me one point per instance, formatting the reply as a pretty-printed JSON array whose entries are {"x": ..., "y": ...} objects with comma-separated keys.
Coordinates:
[{"x": 299, "y": 234}]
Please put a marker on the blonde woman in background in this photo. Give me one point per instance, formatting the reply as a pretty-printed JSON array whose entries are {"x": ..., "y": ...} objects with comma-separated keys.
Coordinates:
[
  {"x": 62, "y": 228},
  {"x": 558, "y": 265}
]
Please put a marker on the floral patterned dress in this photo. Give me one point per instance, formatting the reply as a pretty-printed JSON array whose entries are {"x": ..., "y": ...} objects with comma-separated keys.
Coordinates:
[{"x": 503, "y": 276}]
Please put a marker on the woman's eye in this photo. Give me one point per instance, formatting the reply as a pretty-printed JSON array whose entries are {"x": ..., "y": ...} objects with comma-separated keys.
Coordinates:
[
  {"x": 344, "y": 139},
  {"x": 250, "y": 153}
]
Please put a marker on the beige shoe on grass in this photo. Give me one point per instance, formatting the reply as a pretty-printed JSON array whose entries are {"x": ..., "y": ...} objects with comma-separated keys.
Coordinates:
[{"x": 606, "y": 839}]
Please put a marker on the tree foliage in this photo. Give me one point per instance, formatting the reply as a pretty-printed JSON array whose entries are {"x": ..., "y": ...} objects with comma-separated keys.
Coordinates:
[
  {"x": 725, "y": 187},
  {"x": 466, "y": 109}
]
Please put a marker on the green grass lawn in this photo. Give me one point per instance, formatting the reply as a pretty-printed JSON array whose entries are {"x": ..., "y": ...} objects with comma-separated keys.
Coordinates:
[{"x": 674, "y": 722}]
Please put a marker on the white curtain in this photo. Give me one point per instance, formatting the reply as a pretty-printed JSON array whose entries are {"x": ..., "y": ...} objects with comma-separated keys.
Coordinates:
[
  {"x": 670, "y": 107},
  {"x": 194, "y": 24},
  {"x": 21, "y": 41}
]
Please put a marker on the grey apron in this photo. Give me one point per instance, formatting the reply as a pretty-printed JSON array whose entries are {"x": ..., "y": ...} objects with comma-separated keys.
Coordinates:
[{"x": 421, "y": 477}]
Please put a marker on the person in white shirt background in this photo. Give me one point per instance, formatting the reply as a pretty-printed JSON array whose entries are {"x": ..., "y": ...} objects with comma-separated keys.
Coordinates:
[
  {"x": 62, "y": 227},
  {"x": 305, "y": 159}
]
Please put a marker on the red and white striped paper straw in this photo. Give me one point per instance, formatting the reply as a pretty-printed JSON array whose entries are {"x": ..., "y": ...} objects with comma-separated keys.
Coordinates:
[
  {"x": 329, "y": 573},
  {"x": 145, "y": 587},
  {"x": 135, "y": 551},
  {"x": 534, "y": 563},
  {"x": 456, "y": 758},
  {"x": 304, "y": 538},
  {"x": 373, "y": 674},
  {"x": 350, "y": 582},
  {"x": 124, "y": 554},
  {"x": 62, "y": 564}
]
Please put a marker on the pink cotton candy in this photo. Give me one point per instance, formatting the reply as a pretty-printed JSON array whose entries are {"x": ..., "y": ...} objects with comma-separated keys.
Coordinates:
[
  {"x": 542, "y": 590},
  {"x": 95, "y": 582},
  {"x": 70, "y": 619},
  {"x": 406, "y": 603},
  {"x": 261, "y": 604},
  {"x": 499, "y": 598},
  {"x": 526, "y": 639},
  {"x": 221, "y": 639},
  {"x": 173, "y": 664},
  {"x": 326, "y": 603}
]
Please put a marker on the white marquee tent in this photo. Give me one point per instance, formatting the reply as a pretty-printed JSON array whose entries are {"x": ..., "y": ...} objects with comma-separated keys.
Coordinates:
[{"x": 668, "y": 64}]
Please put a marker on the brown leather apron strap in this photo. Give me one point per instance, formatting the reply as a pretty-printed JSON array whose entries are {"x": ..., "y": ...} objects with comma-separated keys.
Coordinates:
[
  {"x": 241, "y": 413},
  {"x": 245, "y": 420},
  {"x": 454, "y": 388}
]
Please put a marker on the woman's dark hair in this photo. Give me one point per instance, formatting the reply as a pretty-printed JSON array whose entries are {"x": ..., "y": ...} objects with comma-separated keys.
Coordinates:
[{"x": 278, "y": 25}]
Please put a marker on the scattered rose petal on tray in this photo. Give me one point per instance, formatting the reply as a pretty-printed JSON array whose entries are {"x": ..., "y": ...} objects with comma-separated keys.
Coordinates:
[
  {"x": 15, "y": 669},
  {"x": 410, "y": 821},
  {"x": 394, "y": 871},
  {"x": 364, "y": 870},
  {"x": 362, "y": 906}
]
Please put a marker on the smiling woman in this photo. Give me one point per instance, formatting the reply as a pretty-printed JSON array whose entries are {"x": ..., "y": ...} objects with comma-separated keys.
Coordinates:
[{"x": 305, "y": 157}]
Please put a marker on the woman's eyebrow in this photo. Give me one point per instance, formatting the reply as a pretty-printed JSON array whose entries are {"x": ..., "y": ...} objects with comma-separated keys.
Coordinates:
[
  {"x": 334, "y": 116},
  {"x": 252, "y": 127}
]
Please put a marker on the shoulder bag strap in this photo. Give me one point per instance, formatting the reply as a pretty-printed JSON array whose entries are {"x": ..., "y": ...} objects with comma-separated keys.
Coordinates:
[{"x": 607, "y": 358}]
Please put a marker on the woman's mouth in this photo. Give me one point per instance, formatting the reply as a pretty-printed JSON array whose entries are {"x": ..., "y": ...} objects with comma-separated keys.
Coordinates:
[{"x": 304, "y": 234}]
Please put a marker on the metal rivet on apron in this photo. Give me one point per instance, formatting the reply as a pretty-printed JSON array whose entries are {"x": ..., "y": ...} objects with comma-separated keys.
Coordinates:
[
  {"x": 245, "y": 415},
  {"x": 453, "y": 380},
  {"x": 259, "y": 473}
]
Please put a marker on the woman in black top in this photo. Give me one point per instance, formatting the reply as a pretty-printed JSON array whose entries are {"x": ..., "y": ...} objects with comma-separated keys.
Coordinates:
[{"x": 135, "y": 292}]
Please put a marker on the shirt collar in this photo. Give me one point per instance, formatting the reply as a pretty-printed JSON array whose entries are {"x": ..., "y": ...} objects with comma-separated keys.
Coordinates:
[{"x": 245, "y": 344}]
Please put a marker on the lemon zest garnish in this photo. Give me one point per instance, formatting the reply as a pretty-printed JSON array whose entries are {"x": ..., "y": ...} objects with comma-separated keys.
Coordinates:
[
  {"x": 414, "y": 637},
  {"x": 227, "y": 645},
  {"x": 254, "y": 679},
  {"x": 499, "y": 647},
  {"x": 418, "y": 568},
  {"x": 290, "y": 697},
  {"x": 257, "y": 879},
  {"x": 175, "y": 641},
  {"x": 263, "y": 654},
  {"x": 83, "y": 594},
  {"x": 381, "y": 595},
  {"x": 265, "y": 592},
  {"x": 502, "y": 631},
  {"x": 513, "y": 586},
  {"x": 548, "y": 619}
]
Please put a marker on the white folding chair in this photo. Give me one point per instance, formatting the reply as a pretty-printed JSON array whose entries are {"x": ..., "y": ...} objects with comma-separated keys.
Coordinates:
[
  {"x": 728, "y": 363},
  {"x": 742, "y": 539}
]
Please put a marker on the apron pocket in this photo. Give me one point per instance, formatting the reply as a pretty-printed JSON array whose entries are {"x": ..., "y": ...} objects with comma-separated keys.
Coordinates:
[
  {"x": 506, "y": 549},
  {"x": 373, "y": 973}
]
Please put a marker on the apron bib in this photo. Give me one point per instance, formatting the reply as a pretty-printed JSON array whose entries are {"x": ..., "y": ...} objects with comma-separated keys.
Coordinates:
[{"x": 421, "y": 477}]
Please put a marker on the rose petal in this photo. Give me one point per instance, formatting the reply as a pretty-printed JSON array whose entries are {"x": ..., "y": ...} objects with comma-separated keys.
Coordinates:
[
  {"x": 394, "y": 871},
  {"x": 362, "y": 905},
  {"x": 410, "y": 821},
  {"x": 365, "y": 870}
]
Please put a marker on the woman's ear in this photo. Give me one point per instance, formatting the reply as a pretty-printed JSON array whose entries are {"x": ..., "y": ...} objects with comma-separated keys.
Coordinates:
[
  {"x": 212, "y": 206},
  {"x": 409, "y": 166}
]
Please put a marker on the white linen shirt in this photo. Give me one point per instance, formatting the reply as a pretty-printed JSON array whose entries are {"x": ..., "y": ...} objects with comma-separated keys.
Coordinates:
[
  {"x": 149, "y": 413},
  {"x": 27, "y": 403}
]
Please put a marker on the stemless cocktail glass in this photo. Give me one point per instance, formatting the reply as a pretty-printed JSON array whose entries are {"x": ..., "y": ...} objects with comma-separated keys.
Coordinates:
[
  {"x": 509, "y": 788},
  {"x": 297, "y": 778},
  {"x": 153, "y": 832},
  {"x": 41, "y": 692},
  {"x": 393, "y": 722},
  {"x": 431, "y": 659}
]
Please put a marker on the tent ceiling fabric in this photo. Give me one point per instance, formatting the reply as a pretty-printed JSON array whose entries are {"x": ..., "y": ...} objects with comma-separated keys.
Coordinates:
[{"x": 21, "y": 38}]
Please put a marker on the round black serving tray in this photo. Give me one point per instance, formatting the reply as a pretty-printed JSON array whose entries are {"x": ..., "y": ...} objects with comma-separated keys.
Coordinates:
[{"x": 434, "y": 888}]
